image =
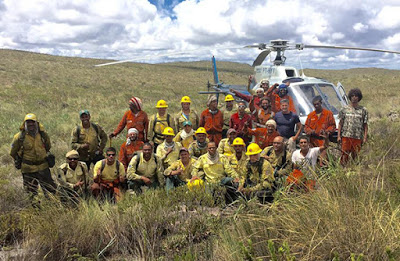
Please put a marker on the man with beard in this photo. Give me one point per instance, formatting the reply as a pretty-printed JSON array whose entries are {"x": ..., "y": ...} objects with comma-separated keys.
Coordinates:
[
  {"x": 240, "y": 121},
  {"x": 89, "y": 139},
  {"x": 134, "y": 118},
  {"x": 168, "y": 151},
  {"x": 264, "y": 136},
  {"x": 129, "y": 147},
  {"x": 259, "y": 177},
  {"x": 212, "y": 120},
  {"x": 276, "y": 96},
  {"x": 145, "y": 170},
  {"x": 199, "y": 146},
  {"x": 29, "y": 149},
  {"x": 263, "y": 114}
]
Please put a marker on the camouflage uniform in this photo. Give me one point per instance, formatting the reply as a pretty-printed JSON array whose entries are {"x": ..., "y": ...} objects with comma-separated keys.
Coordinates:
[{"x": 353, "y": 121}]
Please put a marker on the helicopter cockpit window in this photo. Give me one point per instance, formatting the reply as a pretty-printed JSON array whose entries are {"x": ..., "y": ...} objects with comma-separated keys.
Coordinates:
[
  {"x": 303, "y": 95},
  {"x": 290, "y": 73}
]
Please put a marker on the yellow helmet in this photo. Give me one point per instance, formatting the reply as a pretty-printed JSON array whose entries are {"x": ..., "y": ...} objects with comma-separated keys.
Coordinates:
[
  {"x": 162, "y": 104},
  {"x": 201, "y": 130},
  {"x": 238, "y": 142},
  {"x": 253, "y": 149},
  {"x": 229, "y": 98},
  {"x": 168, "y": 131},
  {"x": 186, "y": 99},
  {"x": 30, "y": 117},
  {"x": 196, "y": 184}
]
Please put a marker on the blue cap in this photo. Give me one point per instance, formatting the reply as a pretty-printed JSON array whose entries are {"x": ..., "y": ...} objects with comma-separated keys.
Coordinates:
[
  {"x": 187, "y": 123},
  {"x": 283, "y": 85}
]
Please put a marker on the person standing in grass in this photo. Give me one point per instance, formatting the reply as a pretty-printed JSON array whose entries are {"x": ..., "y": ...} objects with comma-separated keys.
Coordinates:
[
  {"x": 134, "y": 118},
  {"x": 145, "y": 170},
  {"x": 227, "y": 111},
  {"x": 186, "y": 114},
  {"x": 73, "y": 176},
  {"x": 240, "y": 121},
  {"x": 129, "y": 147},
  {"x": 353, "y": 126},
  {"x": 89, "y": 139},
  {"x": 212, "y": 120},
  {"x": 158, "y": 122},
  {"x": 29, "y": 149},
  {"x": 319, "y": 121}
]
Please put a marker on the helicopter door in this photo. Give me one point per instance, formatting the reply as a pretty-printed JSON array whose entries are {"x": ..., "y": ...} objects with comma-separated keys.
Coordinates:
[{"x": 342, "y": 92}]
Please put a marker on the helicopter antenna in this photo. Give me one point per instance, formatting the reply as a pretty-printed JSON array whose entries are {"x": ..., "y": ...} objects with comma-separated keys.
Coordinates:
[{"x": 301, "y": 64}]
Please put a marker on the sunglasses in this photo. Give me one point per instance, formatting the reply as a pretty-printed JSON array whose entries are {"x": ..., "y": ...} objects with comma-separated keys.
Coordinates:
[
  {"x": 242, "y": 106},
  {"x": 72, "y": 159},
  {"x": 109, "y": 155}
]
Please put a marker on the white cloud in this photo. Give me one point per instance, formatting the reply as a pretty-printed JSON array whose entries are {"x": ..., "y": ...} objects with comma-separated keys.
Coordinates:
[{"x": 124, "y": 29}]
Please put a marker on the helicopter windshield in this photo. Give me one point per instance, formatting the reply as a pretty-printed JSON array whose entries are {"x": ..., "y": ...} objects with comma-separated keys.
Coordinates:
[{"x": 303, "y": 94}]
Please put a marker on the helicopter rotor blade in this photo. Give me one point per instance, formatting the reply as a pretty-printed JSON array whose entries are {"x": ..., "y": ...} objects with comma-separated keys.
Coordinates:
[
  {"x": 300, "y": 47},
  {"x": 261, "y": 57}
]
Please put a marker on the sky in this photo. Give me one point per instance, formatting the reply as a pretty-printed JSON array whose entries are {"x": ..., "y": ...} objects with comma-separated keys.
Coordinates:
[{"x": 174, "y": 30}]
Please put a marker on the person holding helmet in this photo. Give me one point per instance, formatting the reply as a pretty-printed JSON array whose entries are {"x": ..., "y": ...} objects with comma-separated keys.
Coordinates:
[
  {"x": 264, "y": 136},
  {"x": 30, "y": 149},
  {"x": 228, "y": 110},
  {"x": 276, "y": 95},
  {"x": 259, "y": 177},
  {"x": 186, "y": 114},
  {"x": 129, "y": 147},
  {"x": 199, "y": 146},
  {"x": 168, "y": 151},
  {"x": 215, "y": 169},
  {"x": 73, "y": 177},
  {"x": 238, "y": 160},
  {"x": 134, "y": 118},
  {"x": 212, "y": 120},
  {"x": 89, "y": 139},
  {"x": 158, "y": 122},
  {"x": 186, "y": 135},
  {"x": 225, "y": 147},
  {"x": 180, "y": 172}
]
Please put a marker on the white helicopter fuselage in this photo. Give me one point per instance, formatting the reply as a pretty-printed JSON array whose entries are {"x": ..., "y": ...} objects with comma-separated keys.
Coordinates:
[{"x": 303, "y": 89}]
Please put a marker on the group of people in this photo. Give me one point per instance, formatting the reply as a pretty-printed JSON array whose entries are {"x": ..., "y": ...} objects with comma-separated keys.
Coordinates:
[{"x": 249, "y": 150}]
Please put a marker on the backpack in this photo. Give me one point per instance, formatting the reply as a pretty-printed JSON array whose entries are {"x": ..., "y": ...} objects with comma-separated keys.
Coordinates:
[
  {"x": 155, "y": 122},
  {"x": 43, "y": 136},
  {"x": 78, "y": 130},
  {"x": 139, "y": 154},
  {"x": 283, "y": 158},
  {"x": 103, "y": 165}
]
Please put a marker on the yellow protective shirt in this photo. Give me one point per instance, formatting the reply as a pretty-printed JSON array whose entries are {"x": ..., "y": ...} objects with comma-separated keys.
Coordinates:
[
  {"x": 224, "y": 147},
  {"x": 277, "y": 160},
  {"x": 185, "y": 142},
  {"x": 32, "y": 149},
  {"x": 109, "y": 172},
  {"x": 173, "y": 156},
  {"x": 240, "y": 166},
  {"x": 227, "y": 115},
  {"x": 187, "y": 171},
  {"x": 69, "y": 177},
  {"x": 150, "y": 169},
  {"x": 261, "y": 180},
  {"x": 155, "y": 134},
  {"x": 91, "y": 137},
  {"x": 180, "y": 118},
  {"x": 213, "y": 172}
]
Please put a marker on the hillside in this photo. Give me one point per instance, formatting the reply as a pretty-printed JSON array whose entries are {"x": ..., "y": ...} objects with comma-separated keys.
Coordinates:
[{"x": 355, "y": 212}]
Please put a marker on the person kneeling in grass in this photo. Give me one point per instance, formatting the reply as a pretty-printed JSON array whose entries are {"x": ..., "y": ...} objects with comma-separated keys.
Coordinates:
[
  {"x": 180, "y": 172},
  {"x": 145, "y": 170}
]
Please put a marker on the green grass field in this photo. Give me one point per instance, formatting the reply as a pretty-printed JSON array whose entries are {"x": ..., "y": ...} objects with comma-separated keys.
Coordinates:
[{"x": 354, "y": 215}]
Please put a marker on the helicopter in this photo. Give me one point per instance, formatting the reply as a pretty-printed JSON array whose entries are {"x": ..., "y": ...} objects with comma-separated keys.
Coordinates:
[{"x": 302, "y": 88}]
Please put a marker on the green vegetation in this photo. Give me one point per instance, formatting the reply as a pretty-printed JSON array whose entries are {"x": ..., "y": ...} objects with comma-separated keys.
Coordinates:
[{"x": 353, "y": 215}]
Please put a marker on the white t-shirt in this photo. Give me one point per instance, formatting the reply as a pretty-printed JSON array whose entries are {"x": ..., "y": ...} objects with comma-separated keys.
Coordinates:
[{"x": 308, "y": 162}]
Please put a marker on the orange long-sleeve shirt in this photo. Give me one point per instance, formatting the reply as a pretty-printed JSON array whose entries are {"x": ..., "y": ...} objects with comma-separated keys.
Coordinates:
[
  {"x": 213, "y": 123},
  {"x": 126, "y": 152},
  {"x": 325, "y": 121},
  {"x": 262, "y": 138},
  {"x": 139, "y": 122}
]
